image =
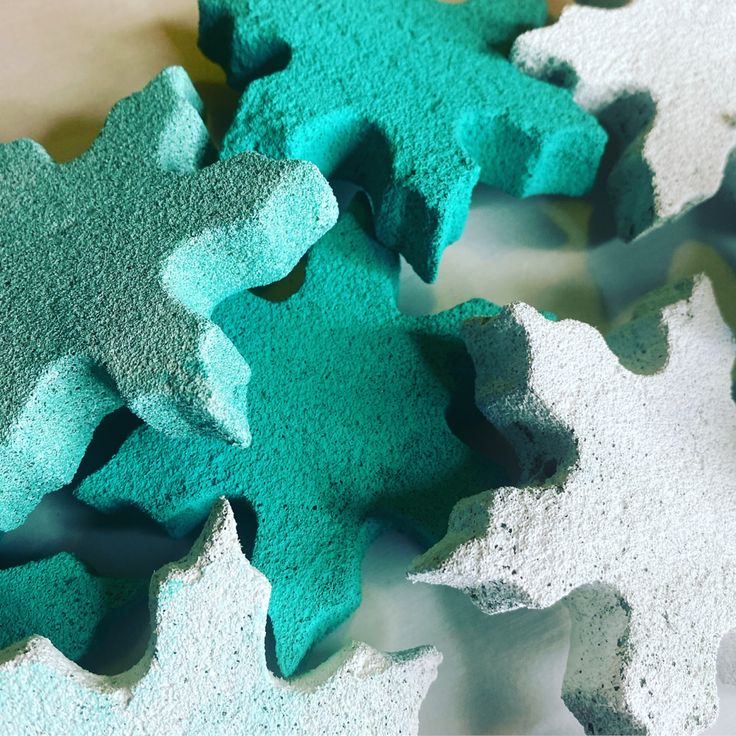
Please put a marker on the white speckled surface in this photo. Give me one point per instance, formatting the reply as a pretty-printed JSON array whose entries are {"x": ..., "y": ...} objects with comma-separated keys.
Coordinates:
[
  {"x": 656, "y": 71},
  {"x": 634, "y": 528},
  {"x": 500, "y": 674},
  {"x": 205, "y": 669}
]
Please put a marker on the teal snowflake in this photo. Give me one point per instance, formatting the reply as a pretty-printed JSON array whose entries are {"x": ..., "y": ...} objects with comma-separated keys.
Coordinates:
[{"x": 348, "y": 411}]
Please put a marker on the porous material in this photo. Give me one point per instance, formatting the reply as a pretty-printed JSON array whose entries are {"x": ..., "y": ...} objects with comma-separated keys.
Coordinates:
[
  {"x": 59, "y": 599},
  {"x": 349, "y": 435},
  {"x": 727, "y": 659},
  {"x": 205, "y": 671},
  {"x": 111, "y": 266},
  {"x": 657, "y": 73},
  {"x": 635, "y": 528},
  {"x": 407, "y": 98}
]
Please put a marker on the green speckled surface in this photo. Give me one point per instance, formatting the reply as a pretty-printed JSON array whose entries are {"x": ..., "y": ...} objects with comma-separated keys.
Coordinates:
[
  {"x": 408, "y": 98},
  {"x": 205, "y": 671},
  {"x": 347, "y": 409},
  {"x": 110, "y": 267},
  {"x": 58, "y": 598}
]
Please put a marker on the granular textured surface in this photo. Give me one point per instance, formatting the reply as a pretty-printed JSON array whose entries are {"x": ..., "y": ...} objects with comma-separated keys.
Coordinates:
[
  {"x": 59, "y": 599},
  {"x": 407, "y": 98},
  {"x": 659, "y": 74},
  {"x": 636, "y": 528},
  {"x": 110, "y": 267},
  {"x": 205, "y": 671},
  {"x": 349, "y": 435}
]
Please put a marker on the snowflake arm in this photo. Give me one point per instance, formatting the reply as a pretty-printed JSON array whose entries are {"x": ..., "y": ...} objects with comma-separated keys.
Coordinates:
[
  {"x": 59, "y": 599},
  {"x": 359, "y": 440},
  {"x": 645, "y": 70},
  {"x": 112, "y": 265},
  {"x": 205, "y": 670},
  {"x": 407, "y": 100},
  {"x": 634, "y": 527}
]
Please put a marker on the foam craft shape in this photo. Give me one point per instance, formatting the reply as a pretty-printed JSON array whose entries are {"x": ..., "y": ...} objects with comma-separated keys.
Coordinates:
[
  {"x": 407, "y": 99},
  {"x": 111, "y": 266},
  {"x": 349, "y": 435},
  {"x": 646, "y": 70},
  {"x": 205, "y": 670},
  {"x": 636, "y": 528},
  {"x": 58, "y": 598}
]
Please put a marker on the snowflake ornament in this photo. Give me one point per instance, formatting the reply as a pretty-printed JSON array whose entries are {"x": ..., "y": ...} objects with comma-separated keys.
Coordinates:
[
  {"x": 205, "y": 670},
  {"x": 658, "y": 74},
  {"x": 410, "y": 99},
  {"x": 350, "y": 435},
  {"x": 111, "y": 266},
  {"x": 635, "y": 528}
]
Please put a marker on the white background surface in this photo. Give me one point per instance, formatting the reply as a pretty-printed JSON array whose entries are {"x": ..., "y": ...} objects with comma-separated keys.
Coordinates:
[{"x": 64, "y": 64}]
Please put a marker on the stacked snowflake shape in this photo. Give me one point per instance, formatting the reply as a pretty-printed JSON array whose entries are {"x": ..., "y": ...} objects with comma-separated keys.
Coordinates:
[{"x": 128, "y": 280}]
